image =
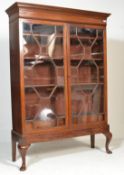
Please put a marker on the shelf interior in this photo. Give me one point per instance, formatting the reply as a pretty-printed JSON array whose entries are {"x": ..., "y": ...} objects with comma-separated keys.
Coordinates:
[{"x": 44, "y": 78}]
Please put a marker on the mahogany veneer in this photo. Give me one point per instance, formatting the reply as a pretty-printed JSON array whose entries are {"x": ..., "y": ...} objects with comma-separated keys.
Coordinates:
[{"x": 58, "y": 75}]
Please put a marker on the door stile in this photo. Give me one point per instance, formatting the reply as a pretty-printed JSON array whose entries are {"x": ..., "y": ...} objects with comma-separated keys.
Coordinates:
[
  {"x": 68, "y": 74},
  {"x": 105, "y": 77}
]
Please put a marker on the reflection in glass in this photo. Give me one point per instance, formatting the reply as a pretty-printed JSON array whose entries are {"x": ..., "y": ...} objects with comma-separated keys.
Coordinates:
[
  {"x": 44, "y": 75},
  {"x": 87, "y": 74},
  {"x": 39, "y": 73},
  {"x": 87, "y": 101},
  {"x": 43, "y": 41}
]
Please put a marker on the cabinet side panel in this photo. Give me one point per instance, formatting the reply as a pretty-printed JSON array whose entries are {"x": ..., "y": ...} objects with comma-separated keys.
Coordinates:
[
  {"x": 15, "y": 76},
  {"x": 105, "y": 80}
]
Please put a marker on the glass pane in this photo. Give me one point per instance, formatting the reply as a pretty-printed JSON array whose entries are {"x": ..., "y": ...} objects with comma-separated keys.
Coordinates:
[
  {"x": 44, "y": 75},
  {"x": 87, "y": 103},
  {"x": 42, "y": 29},
  {"x": 87, "y": 74},
  {"x": 26, "y": 27}
]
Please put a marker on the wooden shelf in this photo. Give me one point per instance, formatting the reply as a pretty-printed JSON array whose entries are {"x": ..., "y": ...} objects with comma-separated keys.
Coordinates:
[
  {"x": 88, "y": 115},
  {"x": 61, "y": 58},
  {"x": 82, "y": 54},
  {"x": 97, "y": 53},
  {"x": 57, "y": 117},
  {"x": 43, "y": 58},
  {"x": 85, "y": 37},
  {"x": 60, "y": 117},
  {"x": 44, "y": 85},
  {"x": 93, "y": 59},
  {"x": 61, "y": 85},
  {"x": 41, "y": 35},
  {"x": 81, "y": 84}
]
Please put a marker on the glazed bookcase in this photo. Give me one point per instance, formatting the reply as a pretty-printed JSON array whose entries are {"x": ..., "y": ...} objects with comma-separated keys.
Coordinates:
[{"x": 58, "y": 75}]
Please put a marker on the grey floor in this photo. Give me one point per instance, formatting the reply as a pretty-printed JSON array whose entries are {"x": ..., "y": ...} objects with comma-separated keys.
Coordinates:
[{"x": 69, "y": 156}]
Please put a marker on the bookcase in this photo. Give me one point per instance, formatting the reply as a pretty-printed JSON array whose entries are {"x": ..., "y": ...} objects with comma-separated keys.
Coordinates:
[{"x": 58, "y": 62}]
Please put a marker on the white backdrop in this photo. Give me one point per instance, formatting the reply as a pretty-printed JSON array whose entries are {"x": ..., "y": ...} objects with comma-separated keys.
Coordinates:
[{"x": 115, "y": 60}]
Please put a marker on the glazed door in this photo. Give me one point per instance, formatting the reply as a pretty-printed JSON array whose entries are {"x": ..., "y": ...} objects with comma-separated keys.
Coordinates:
[
  {"x": 44, "y": 75},
  {"x": 87, "y": 75}
]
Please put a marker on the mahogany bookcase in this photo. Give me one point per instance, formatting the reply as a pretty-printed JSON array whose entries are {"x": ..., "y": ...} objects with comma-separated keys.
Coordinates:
[{"x": 58, "y": 67}]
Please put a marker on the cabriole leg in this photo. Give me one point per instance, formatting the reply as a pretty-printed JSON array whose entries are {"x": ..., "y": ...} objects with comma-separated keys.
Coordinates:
[
  {"x": 23, "y": 150},
  {"x": 108, "y": 139}
]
